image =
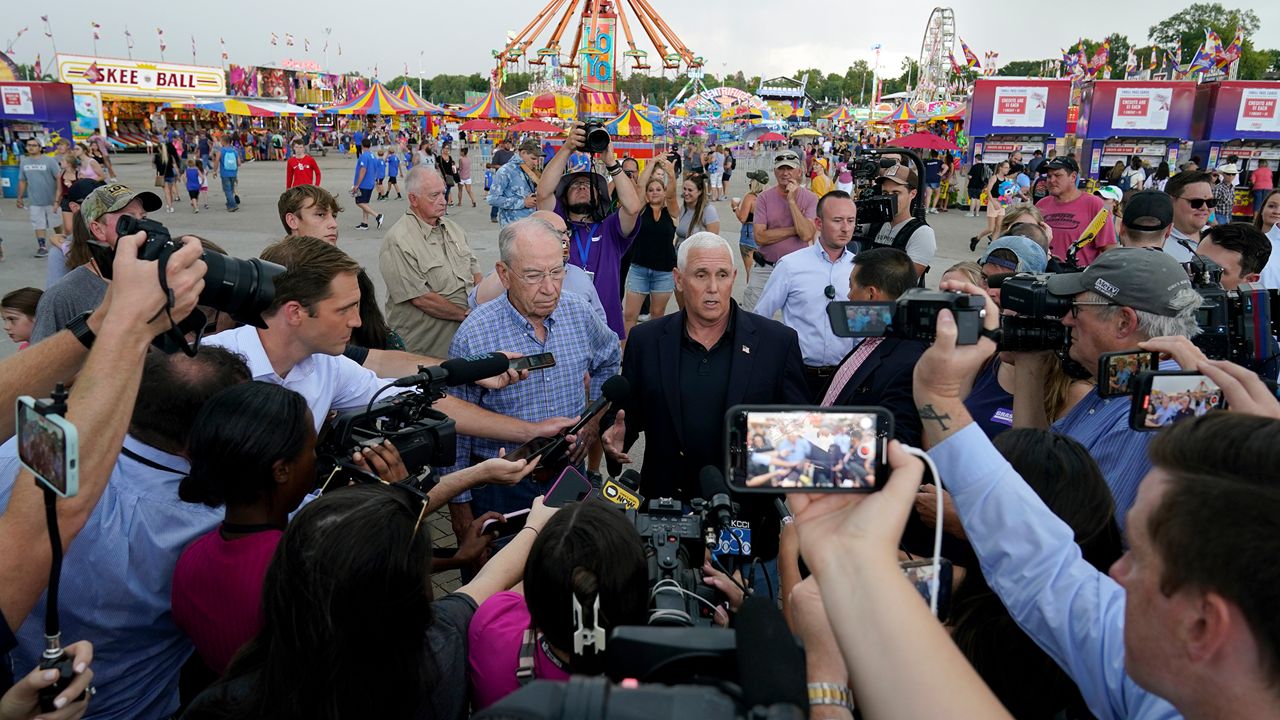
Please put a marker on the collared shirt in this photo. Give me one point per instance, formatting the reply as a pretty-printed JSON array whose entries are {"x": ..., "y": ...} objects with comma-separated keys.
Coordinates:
[
  {"x": 579, "y": 339},
  {"x": 704, "y": 383},
  {"x": 1074, "y": 612},
  {"x": 797, "y": 288},
  {"x": 511, "y": 185},
  {"x": 116, "y": 579},
  {"x": 326, "y": 382},
  {"x": 1102, "y": 426},
  {"x": 1174, "y": 246},
  {"x": 1271, "y": 273},
  {"x": 793, "y": 452},
  {"x": 417, "y": 258},
  {"x": 773, "y": 212}
]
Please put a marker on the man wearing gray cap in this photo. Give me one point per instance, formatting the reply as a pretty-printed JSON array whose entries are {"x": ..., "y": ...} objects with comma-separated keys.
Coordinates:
[
  {"x": 1125, "y": 297},
  {"x": 82, "y": 289},
  {"x": 1147, "y": 221}
]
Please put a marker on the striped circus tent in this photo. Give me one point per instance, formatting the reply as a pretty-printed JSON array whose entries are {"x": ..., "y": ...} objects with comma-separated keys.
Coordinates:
[
  {"x": 492, "y": 106},
  {"x": 840, "y": 114},
  {"x": 901, "y": 114},
  {"x": 633, "y": 124},
  {"x": 413, "y": 99},
  {"x": 248, "y": 107},
  {"x": 377, "y": 100}
]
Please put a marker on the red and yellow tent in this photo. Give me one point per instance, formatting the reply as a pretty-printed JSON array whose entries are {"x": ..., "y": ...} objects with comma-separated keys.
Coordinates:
[
  {"x": 901, "y": 114},
  {"x": 840, "y": 115},
  {"x": 633, "y": 124},
  {"x": 377, "y": 100},
  {"x": 492, "y": 106},
  {"x": 413, "y": 99}
]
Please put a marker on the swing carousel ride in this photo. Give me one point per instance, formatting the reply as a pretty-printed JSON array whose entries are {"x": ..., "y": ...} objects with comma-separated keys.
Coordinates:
[{"x": 586, "y": 67}]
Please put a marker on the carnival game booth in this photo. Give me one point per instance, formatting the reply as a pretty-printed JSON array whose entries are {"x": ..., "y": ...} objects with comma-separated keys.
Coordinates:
[
  {"x": 40, "y": 110},
  {"x": 1239, "y": 118},
  {"x": 129, "y": 95},
  {"x": 1006, "y": 115},
  {"x": 1120, "y": 119}
]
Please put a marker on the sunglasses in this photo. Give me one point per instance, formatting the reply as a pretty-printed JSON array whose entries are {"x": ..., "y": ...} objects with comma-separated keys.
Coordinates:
[{"x": 1198, "y": 203}]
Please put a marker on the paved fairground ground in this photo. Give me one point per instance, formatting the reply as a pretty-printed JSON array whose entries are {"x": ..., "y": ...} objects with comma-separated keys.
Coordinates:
[{"x": 246, "y": 232}]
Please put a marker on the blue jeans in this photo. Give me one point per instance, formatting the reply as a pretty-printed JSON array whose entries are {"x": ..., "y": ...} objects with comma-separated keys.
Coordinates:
[
  {"x": 229, "y": 189},
  {"x": 645, "y": 280}
]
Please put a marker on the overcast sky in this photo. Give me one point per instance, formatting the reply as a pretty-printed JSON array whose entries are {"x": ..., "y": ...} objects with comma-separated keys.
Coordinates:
[{"x": 765, "y": 38}]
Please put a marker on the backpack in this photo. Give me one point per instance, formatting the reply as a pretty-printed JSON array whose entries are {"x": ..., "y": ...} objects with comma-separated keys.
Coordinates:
[
  {"x": 900, "y": 240},
  {"x": 229, "y": 159}
]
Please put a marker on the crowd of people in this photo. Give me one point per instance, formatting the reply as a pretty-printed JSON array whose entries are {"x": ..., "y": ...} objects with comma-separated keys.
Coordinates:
[{"x": 208, "y": 572}]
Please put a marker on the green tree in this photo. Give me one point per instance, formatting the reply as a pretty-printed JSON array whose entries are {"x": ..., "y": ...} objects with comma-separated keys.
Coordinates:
[
  {"x": 1022, "y": 68},
  {"x": 28, "y": 71},
  {"x": 1186, "y": 29}
]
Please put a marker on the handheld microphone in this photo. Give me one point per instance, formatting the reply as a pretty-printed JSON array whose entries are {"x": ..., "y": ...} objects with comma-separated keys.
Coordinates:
[
  {"x": 716, "y": 493},
  {"x": 459, "y": 371},
  {"x": 615, "y": 390}
]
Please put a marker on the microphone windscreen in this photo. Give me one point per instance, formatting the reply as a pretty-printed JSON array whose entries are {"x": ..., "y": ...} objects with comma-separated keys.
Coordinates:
[
  {"x": 616, "y": 389},
  {"x": 475, "y": 367},
  {"x": 630, "y": 478},
  {"x": 711, "y": 482}
]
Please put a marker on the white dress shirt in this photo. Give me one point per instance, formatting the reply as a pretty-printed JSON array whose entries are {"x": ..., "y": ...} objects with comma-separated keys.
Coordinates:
[
  {"x": 797, "y": 288},
  {"x": 1271, "y": 273}
]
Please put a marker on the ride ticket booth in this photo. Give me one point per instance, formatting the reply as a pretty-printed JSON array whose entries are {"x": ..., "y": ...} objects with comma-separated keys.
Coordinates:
[
  {"x": 1241, "y": 119},
  {"x": 1120, "y": 119},
  {"x": 1006, "y": 115}
]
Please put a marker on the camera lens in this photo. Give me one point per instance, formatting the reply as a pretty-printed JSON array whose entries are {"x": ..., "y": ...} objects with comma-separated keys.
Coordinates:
[
  {"x": 243, "y": 289},
  {"x": 1022, "y": 334},
  {"x": 597, "y": 138}
]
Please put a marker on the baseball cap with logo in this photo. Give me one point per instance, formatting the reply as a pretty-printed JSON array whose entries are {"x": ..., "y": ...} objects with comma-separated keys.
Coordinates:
[
  {"x": 81, "y": 188},
  {"x": 1139, "y": 278},
  {"x": 114, "y": 198},
  {"x": 900, "y": 174},
  {"x": 1148, "y": 211},
  {"x": 786, "y": 158}
]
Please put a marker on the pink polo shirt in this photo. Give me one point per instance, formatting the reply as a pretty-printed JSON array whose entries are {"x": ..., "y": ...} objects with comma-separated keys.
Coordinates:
[
  {"x": 1069, "y": 220},
  {"x": 773, "y": 212},
  {"x": 493, "y": 650}
]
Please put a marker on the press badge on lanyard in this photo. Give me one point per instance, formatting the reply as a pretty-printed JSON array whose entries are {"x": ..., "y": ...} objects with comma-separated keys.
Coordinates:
[{"x": 584, "y": 247}]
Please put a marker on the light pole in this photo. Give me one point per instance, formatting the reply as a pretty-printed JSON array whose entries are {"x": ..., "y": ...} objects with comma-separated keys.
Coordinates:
[{"x": 875, "y": 76}]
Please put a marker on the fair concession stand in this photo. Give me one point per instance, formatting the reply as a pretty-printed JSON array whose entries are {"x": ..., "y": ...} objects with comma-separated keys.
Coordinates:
[
  {"x": 1238, "y": 118},
  {"x": 41, "y": 110},
  {"x": 1010, "y": 114},
  {"x": 1120, "y": 119},
  {"x": 128, "y": 95}
]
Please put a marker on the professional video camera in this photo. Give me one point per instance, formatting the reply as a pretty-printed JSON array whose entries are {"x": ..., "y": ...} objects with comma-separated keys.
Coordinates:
[
  {"x": 913, "y": 316},
  {"x": 425, "y": 437},
  {"x": 1236, "y": 325},
  {"x": 1037, "y": 323},
  {"x": 241, "y": 288},
  {"x": 874, "y": 206}
]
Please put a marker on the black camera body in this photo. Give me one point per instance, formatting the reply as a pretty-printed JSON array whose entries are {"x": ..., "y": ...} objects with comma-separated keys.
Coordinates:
[
  {"x": 1038, "y": 323},
  {"x": 915, "y": 315},
  {"x": 243, "y": 289},
  {"x": 425, "y": 437},
  {"x": 1238, "y": 325},
  {"x": 597, "y": 137},
  {"x": 875, "y": 208},
  {"x": 674, "y": 544}
]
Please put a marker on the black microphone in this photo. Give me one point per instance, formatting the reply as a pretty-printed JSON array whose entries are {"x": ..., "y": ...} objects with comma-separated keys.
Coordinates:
[
  {"x": 760, "y": 631},
  {"x": 716, "y": 493},
  {"x": 459, "y": 371},
  {"x": 615, "y": 390}
]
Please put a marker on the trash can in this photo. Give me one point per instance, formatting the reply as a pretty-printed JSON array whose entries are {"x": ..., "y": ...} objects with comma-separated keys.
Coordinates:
[{"x": 9, "y": 180}]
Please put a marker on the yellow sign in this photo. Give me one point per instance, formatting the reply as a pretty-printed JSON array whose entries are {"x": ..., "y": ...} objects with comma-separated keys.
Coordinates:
[{"x": 133, "y": 77}]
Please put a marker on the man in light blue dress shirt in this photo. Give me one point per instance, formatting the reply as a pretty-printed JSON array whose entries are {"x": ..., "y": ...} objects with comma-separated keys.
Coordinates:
[{"x": 803, "y": 283}]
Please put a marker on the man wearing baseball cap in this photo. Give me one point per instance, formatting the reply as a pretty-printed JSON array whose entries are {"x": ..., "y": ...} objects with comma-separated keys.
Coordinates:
[
  {"x": 1069, "y": 211},
  {"x": 1147, "y": 221},
  {"x": 83, "y": 288},
  {"x": 905, "y": 231},
  {"x": 784, "y": 222},
  {"x": 1125, "y": 297}
]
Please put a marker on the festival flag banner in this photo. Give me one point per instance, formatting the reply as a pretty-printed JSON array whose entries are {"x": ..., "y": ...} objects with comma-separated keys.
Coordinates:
[
  {"x": 223, "y": 44},
  {"x": 1020, "y": 106},
  {"x": 970, "y": 59},
  {"x": 37, "y": 69},
  {"x": 275, "y": 39},
  {"x": 1131, "y": 64},
  {"x": 1259, "y": 110},
  {"x": 1155, "y": 55},
  {"x": 1233, "y": 51},
  {"x": 1142, "y": 108}
]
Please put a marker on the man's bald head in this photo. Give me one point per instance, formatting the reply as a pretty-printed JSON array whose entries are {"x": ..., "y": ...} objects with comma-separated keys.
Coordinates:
[{"x": 552, "y": 219}]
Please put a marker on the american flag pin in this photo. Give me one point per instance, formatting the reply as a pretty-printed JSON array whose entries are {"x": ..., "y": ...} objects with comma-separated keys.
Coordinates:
[{"x": 746, "y": 349}]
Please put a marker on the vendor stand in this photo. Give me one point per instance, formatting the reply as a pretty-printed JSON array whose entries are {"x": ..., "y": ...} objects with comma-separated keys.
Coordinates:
[
  {"x": 1007, "y": 115},
  {"x": 1241, "y": 119},
  {"x": 41, "y": 110},
  {"x": 1121, "y": 119}
]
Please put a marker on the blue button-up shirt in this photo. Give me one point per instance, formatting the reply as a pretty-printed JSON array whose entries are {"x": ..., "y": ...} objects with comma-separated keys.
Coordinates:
[
  {"x": 1029, "y": 557},
  {"x": 1102, "y": 426},
  {"x": 511, "y": 185},
  {"x": 116, "y": 584},
  {"x": 582, "y": 344},
  {"x": 797, "y": 287}
]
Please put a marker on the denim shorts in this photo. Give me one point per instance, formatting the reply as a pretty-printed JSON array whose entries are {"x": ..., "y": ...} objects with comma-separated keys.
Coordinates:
[{"x": 643, "y": 280}]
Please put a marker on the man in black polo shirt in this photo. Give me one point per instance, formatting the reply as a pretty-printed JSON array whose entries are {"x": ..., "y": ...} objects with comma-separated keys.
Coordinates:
[{"x": 687, "y": 369}]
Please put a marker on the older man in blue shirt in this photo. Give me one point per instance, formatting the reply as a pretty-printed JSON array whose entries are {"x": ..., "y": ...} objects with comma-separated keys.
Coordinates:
[
  {"x": 116, "y": 577},
  {"x": 533, "y": 316},
  {"x": 803, "y": 283}
]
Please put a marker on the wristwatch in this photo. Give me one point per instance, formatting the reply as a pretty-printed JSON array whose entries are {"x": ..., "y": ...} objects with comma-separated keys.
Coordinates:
[
  {"x": 79, "y": 326},
  {"x": 821, "y": 693}
]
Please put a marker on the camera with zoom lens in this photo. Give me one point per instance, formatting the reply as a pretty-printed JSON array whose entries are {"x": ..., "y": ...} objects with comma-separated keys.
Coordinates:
[
  {"x": 243, "y": 289},
  {"x": 875, "y": 208},
  {"x": 1238, "y": 325},
  {"x": 1038, "y": 323},
  {"x": 597, "y": 137},
  {"x": 914, "y": 316},
  {"x": 674, "y": 544}
]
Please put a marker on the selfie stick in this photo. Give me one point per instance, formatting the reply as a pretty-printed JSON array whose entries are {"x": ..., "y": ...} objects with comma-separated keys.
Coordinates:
[
  {"x": 54, "y": 657},
  {"x": 937, "y": 527}
]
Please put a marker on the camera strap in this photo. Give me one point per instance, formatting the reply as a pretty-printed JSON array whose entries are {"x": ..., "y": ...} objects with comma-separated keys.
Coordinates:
[
  {"x": 533, "y": 640},
  {"x": 149, "y": 462}
]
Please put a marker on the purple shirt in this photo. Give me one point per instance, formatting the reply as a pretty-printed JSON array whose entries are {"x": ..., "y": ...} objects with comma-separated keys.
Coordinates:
[
  {"x": 772, "y": 211},
  {"x": 598, "y": 248}
]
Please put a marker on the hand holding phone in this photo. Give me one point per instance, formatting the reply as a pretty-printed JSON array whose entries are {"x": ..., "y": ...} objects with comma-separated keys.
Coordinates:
[
  {"x": 1118, "y": 370},
  {"x": 510, "y": 524},
  {"x": 48, "y": 446},
  {"x": 533, "y": 362},
  {"x": 1161, "y": 399},
  {"x": 807, "y": 449}
]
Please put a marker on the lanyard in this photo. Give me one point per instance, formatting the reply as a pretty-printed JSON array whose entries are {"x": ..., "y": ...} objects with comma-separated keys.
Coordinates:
[
  {"x": 584, "y": 248},
  {"x": 149, "y": 462}
]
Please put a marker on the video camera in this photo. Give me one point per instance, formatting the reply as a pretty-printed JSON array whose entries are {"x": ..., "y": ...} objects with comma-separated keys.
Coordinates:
[
  {"x": 914, "y": 316},
  {"x": 1236, "y": 325},
  {"x": 1037, "y": 323},
  {"x": 875, "y": 207},
  {"x": 674, "y": 543},
  {"x": 597, "y": 137}
]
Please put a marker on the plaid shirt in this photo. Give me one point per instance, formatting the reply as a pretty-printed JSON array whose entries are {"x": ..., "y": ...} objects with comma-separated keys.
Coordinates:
[{"x": 581, "y": 342}]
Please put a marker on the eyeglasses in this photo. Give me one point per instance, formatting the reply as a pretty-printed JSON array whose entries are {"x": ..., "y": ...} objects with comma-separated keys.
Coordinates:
[
  {"x": 1075, "y": 306},
  {"x": 1198, "y": 203},
  {"x": 536, "y": 278}
]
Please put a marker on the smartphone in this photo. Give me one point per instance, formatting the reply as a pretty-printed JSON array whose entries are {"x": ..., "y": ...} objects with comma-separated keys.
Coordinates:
[
  {"x": 510, "y": 524},
  {"x": 49, "y": 447},
  {"x": 1117, "y": 370},
  {"x": 1164, "y": 398},
  {"x": 920, "y": 573},
  {"x": 531, "y": 449},
  {"x": 570, "y": 487},
  {"x": 533, "y": 362},
  {"x": 807, "y": 449},
  {"x": 860, "y": 318}
]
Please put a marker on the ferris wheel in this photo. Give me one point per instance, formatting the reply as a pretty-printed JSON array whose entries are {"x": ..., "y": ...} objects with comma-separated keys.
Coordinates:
[{"x": 936, "y": 50}]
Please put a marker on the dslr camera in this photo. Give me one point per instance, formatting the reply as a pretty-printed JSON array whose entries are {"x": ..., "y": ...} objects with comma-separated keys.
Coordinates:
[
  {"x": 597, "y": 137},
  {"x": 913, "y": 316}
]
